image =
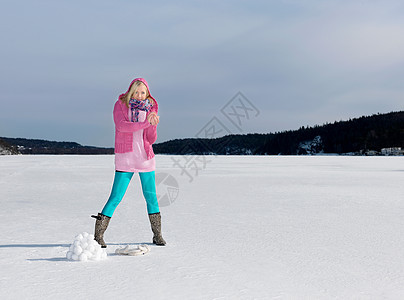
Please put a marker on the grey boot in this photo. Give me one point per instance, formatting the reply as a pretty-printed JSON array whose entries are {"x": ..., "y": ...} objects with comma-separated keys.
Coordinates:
[
  {"x": 155, "y": 221},
  {"x": 101, "y": 224}
]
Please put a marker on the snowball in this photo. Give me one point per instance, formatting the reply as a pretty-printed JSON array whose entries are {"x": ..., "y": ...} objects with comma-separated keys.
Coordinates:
[
  {"x": 78, "y": 250},
  {"x": 84, "y": 248},
  {"x": 87, "y": 253}
]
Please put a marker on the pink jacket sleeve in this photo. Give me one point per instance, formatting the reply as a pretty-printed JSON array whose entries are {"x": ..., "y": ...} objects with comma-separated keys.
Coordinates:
[
  {"x": 151, "y": 134},
  {"x": 123, "y": 124}
]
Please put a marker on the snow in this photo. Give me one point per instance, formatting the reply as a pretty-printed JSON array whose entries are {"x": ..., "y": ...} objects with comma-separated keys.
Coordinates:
[
  {"x": 84, "y": 247},
  {"x": 239, "y": 227},
  {"x": 4, "y": 151},
  {"x": 312, "y": 147}
]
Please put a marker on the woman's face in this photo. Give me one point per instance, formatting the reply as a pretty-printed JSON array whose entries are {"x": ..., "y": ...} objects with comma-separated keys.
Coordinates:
[{"x": 140, "y": 93}]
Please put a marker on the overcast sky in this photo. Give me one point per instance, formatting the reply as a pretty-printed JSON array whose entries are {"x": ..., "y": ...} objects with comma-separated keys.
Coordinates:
[{"x": 296, "y": 63}]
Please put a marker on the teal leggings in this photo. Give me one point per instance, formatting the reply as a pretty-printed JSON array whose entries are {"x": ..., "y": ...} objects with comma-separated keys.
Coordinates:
[{"x": 120, "y": 186}]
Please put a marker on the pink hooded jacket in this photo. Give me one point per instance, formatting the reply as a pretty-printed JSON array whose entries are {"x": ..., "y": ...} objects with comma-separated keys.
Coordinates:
[{"x": 124, "y": 128}]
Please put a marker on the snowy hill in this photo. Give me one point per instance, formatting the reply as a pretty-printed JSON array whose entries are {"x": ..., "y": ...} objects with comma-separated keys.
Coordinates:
[
  {"x": 37, "y": 146},
  {"x": 312, "y": 147},
  {"x": 6, "y": 149},
  {"x": 250, "y": 227}
]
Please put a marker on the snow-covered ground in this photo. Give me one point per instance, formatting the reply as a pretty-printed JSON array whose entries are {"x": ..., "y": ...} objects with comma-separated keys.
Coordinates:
[{"x": 309, "y": 227}]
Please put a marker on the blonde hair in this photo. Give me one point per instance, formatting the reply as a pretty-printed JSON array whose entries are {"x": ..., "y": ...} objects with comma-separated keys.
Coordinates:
[{"x": 125, "y": 98}]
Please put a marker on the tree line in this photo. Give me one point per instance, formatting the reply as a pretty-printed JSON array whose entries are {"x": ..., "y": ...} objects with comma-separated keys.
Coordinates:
[
  {"x": 37, "y": 146},
  {"x": 353, "y": 136}
]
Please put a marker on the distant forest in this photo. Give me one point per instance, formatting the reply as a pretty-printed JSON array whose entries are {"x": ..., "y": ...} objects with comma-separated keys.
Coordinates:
[
  {"x": 355, "y": 136},
  {"x": 35, "y": 146}
]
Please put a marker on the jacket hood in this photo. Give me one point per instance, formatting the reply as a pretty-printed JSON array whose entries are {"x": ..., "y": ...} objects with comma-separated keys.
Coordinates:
[{"x": 147, "y": 86}]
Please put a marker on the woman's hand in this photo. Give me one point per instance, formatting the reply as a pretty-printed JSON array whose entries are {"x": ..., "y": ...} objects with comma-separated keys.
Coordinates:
[{"x": 153, "y": 118}]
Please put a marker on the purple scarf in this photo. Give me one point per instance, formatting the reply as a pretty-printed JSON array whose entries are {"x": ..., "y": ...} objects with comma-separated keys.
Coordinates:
[{"x": 136, "y": 105}]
